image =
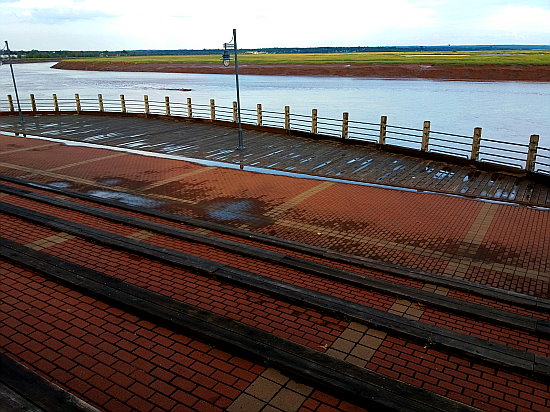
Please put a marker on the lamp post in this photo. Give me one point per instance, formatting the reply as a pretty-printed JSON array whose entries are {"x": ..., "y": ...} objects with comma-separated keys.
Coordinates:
[
  {"x": 15, "y": 88},
  {"x": 226, "y": 59}
]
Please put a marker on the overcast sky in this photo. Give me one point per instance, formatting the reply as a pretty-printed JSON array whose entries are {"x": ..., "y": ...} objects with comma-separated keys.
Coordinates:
[{"x": 181, "y": 24}]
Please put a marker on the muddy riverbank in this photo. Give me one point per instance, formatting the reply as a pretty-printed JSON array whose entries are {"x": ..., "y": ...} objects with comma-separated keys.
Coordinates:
[{"x": 399, "y": 71}]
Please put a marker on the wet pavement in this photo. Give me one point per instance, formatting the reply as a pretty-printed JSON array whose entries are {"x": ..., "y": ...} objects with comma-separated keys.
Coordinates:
[
  {"x": 491, "y": 243},
  {"x": 216, "y": 145},
  {"x": 233, "y": 288}
]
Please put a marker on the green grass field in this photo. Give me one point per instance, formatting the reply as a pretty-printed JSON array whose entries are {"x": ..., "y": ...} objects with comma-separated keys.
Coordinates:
[{"x": 475, "y": 58}]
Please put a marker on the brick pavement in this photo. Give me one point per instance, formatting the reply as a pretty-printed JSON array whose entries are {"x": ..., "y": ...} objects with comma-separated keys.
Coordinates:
[
  {"x": 506, "y": 247},
  {"x": 115, "y": 361}
]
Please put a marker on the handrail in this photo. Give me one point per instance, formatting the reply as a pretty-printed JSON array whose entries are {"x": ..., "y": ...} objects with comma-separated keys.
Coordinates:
[{"x": 529, "y": 157}]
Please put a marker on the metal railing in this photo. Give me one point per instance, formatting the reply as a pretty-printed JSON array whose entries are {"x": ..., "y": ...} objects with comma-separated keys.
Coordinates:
[{"x": 529, "y": 157}]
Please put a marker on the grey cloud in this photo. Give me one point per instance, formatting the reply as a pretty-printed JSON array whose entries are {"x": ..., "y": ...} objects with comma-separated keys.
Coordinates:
[{"x": 61, "y": 15}]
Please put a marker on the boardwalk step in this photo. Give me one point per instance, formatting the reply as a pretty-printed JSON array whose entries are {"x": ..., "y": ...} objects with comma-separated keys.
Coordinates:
[
  {"x": 335, "y": 376},
  {"x": 537, "y": 326},
  {"x": 417, "y": 331}
]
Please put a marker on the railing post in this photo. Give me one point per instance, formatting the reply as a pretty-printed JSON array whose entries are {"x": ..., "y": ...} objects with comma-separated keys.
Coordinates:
[
  {"x": 259, "y": 119},
  {"x": 77, "y": 101},
  {"x": 476, "y": 144},
  {"x": 10, "y": 102},
  {"x": 314, "y": 128},
  {"x": 345, "y": 125},
  {"x": 287, "y": 117},
  {"x": 189, "y": 108},
  {"x": 100, "y": 101},
  {"x": 532, "y": 153},
  {"x": 234, "y": 112},
  {"x": 212, "y": 110},
  {"x": 33, "y": 103},
  {"x": 122, "y": 104},
  {"x": 425, "y": 136},
  {"x": 146, "y": 103},
  {"x": 167, "y": 105},
  {"x": 383, "y": 129},
  {"x": 55, "y": 103}
]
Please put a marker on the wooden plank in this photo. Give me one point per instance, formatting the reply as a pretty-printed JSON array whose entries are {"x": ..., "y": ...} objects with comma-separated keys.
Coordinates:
[
  {"x": 321, "y": 370},
  {"x": 329, "y": 272},
  {"x": 415, "y": 330},
  {"x": 459, "y": 284},
  {"x": 42, "y": 393}
]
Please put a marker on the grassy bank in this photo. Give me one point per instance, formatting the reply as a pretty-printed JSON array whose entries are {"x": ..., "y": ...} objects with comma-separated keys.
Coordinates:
[{"x": 437, "y": 58}]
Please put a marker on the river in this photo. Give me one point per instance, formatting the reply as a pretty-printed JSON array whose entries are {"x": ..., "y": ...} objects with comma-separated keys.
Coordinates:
[{"x": 507, "y": 111}]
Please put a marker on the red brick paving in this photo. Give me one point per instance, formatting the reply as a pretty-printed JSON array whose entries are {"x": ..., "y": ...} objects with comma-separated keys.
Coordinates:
[{"x": 118, "y": 362}]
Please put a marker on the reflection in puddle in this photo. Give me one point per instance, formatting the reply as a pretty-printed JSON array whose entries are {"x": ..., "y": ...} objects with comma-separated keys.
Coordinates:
[
  {"x": 60, "y": 185},
  {"x": 235, "y": 210},
  {"x": 110, "y": 182},
  {"x": 126, "y": 198},
  {"x": 442, "y": 174}
]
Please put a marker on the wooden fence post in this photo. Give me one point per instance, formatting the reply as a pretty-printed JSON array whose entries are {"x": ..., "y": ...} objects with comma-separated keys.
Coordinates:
[
  {"x": 10, "y": 102},
  {"x": 55, "y": 103},
  {"x": 146, "y": 103},
  {"x": 314, "y": 128},
  {"x": 287, "y": 117},
  {"x": 122, "y": 103},
  {"x": 345, "y": 125},
  {"x": 189, "y": 108},
  {"x": 425, "y": 136},
  {"x": 476, "y": 144},
  {"x": 212, "y": 110},
  {"x": 383, "y": 129},
  {"x": 234, "y": 112},
  {"x": 259, "y": 119},
  {"x": 77, "y": 101},
  {"x": 33, "y": 103},
  {"x": 100, "y": 101},
  {"x": 532, "y": 153},
  {"x": 167, "y": 105}
]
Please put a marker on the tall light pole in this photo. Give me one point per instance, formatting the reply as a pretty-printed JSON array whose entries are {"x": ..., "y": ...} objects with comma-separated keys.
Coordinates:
[
  {"x": 15, "y": 88},
  {"x": 226, "y": 58}
]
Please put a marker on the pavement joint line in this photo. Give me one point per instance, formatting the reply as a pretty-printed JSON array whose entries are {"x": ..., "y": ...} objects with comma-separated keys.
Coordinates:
[
  {"x": 468, "y": 345},
  {"x": 87, "y": 161},
  {"x": 289, "y": 204},
  {"x": 24, "y": 149},
  {"x": 371, "y": 241},
  {"x": 49, "y": 241},
  {"x": 140, "y": 235},
  {"x": 271, "y": 389},
  {"x": 179, "y": 177},
  {"x": 463, "y": 285},
  {"x": 305, "y": 364},
  {"x": 277, "y": 258},
  {"x": 357, "y": 344}
]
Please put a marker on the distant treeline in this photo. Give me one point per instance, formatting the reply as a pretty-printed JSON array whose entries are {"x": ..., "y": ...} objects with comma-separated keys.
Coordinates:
[{"x": 61, "y": 54}]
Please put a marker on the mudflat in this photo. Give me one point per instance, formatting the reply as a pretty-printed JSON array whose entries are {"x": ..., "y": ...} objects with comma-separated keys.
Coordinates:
[{"x": 488, "y": 72}]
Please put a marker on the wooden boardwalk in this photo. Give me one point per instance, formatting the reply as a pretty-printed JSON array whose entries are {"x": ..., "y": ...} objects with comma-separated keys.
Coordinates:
[{"x": 285, "y": 153}]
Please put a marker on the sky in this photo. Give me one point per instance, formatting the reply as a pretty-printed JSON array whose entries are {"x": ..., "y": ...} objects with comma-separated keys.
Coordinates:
[{"x": 169, "y": 24}]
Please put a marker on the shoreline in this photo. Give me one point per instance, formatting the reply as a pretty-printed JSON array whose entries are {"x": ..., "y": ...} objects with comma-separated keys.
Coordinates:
[{"x": 531, "y": 73}]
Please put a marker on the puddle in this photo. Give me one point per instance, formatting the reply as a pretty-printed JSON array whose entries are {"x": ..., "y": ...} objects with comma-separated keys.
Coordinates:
[
  {"x": 60, "y": 185},
  {"x": 110, "y": 182},
  {"x": 126, "y": 198},
  {"x": 442, "y": 174},
  {"x": 248, "y": 211}
]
